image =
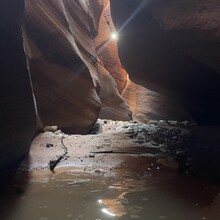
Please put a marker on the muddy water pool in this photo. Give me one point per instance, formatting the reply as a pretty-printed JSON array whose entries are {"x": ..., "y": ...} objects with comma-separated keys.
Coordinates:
[{"x": 151, "y": 195}]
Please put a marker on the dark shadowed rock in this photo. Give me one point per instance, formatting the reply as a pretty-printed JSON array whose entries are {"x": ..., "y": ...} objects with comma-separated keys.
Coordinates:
[
  {"x": 173, "y": 48},
  {"x": 17, "y": 112}
]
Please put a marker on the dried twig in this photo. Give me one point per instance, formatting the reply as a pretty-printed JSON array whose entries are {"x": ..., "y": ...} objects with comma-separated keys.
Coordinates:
[{"x": 54, "y": 163}]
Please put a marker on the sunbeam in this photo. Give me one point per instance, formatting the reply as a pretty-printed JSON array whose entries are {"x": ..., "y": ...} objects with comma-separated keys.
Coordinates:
[{"x": 134, "y": 14}]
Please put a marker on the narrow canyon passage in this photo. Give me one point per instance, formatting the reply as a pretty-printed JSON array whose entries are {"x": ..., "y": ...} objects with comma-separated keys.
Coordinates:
[{"x": 109, "y": 109}]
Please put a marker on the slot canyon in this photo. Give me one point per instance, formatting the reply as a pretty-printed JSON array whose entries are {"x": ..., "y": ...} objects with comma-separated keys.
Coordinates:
[{"x": 110, "y": 109}]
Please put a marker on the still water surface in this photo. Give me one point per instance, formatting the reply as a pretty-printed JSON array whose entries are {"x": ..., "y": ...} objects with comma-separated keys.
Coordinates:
[{"x": 77, "y": 195}]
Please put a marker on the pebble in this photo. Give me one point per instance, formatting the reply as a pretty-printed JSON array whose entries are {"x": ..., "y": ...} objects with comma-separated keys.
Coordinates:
[{"x": 51, "y": 128}]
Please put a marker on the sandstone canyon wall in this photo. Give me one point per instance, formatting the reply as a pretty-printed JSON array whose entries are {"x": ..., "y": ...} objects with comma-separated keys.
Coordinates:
[
  {"x": 71, "y": 83},
  {"x": 173, "y": 48},
  {"x": 144, "y": 103},
  {"x": 76, "y": 71},
  {"x": 17, "y": 112}
]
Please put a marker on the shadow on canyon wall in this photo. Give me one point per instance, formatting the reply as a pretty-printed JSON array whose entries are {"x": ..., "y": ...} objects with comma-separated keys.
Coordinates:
[{"x": 170, "y": 48}]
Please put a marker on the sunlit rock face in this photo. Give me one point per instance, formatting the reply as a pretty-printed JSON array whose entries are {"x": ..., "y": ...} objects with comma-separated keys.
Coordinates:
[
  {"x": 70, "y": 81},
  {"x": 173, "y": 48},
  {"x": 144, "y": 103},
  {"x": 149, "y": 105},
  {"x": 109, "y": 62},
  {"x": 107, "y": 48},
  {"x": 76, "y": 72},
  {"x": 17, "y": 113}
]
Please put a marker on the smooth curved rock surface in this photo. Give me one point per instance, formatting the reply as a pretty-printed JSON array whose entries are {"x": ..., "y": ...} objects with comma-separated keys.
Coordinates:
[
  {"x": 149, "y": 105},
  {"x": 107, "y": 48},
  {"x": 76, "y": 71},
  {"x": 70, "y": 82}
]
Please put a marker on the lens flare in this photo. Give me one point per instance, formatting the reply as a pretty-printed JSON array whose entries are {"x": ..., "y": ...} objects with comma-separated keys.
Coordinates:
[
  {"x": 114, "y": 36},
  {"x": 108, "y": 213}
]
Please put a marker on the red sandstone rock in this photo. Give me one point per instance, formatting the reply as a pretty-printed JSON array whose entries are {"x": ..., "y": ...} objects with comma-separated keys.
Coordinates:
[{"x": 69, "y": 81}]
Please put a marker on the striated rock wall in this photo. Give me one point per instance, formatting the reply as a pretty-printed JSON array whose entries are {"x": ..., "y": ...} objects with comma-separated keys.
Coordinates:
[
  {"x": 70, "y": 81},
  {"x": 76, "y": 71},
  {"x": 107, "y": 48},
  {"x": 109, "y": 62},
  {"x": 144, "y": 103}
]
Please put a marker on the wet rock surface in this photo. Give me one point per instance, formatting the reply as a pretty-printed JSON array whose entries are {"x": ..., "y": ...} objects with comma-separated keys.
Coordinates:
[{"x": 114, "y": 144}]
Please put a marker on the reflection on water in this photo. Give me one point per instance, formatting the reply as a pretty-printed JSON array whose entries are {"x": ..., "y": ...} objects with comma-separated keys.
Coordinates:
[
  {"x": 71, "y": 195},
  {"x": 117, "y": 206}
]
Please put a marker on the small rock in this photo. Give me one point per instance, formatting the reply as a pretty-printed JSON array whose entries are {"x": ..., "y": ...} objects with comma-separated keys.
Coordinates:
[
  {"x": 163, "y": 123},
  {"x": 58, "y": 132},
  {"x": 50, "y": 128},
  {"x": 172, "y": 123},
  {"x": 153, "y": 122}
]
